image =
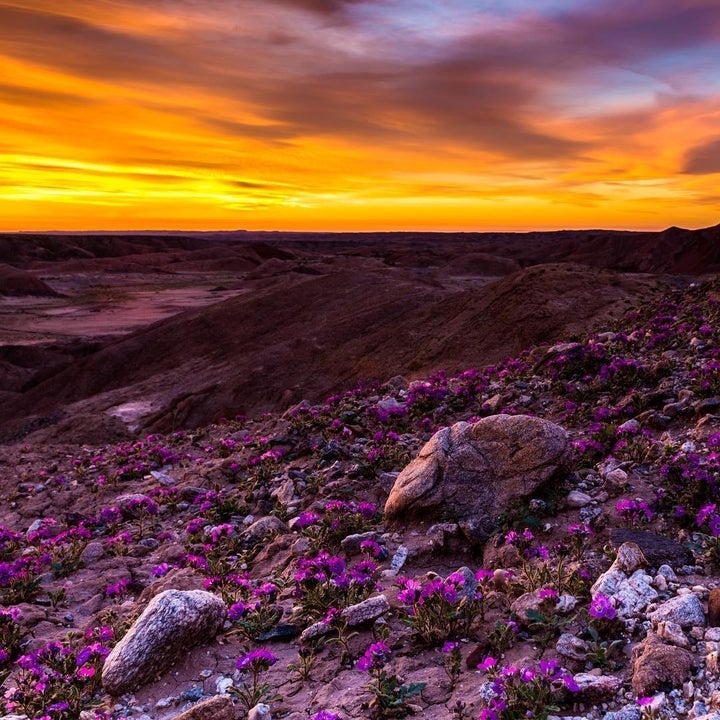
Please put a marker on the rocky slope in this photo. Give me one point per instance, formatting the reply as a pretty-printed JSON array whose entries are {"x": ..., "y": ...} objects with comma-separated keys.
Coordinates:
[{"x": 586, "y": 586}]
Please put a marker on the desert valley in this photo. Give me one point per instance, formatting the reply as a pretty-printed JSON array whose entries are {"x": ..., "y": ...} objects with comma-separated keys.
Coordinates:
[{"x": 316, "y": 475}]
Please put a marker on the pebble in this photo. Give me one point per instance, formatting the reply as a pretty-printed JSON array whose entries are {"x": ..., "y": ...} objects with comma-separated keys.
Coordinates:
[
  {"x": 398, "y": 560},
  {"x": 223, "y": 685},
  {"x": 577, "y": 499}
]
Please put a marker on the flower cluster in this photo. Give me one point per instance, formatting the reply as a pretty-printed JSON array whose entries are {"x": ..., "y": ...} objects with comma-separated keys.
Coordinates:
[
  {"x": 515, "y": 693},
  {"x": 444, "y": 609},
  {"x": 324, "y": 582}
]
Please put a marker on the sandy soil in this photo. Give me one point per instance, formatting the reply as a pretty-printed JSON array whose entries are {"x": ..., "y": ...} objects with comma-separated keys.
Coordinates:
[{"x": 116, "y": 306}]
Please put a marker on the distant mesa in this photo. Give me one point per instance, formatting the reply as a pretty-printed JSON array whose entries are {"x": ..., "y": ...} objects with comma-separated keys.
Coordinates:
[{"x": 14, "y": 282}]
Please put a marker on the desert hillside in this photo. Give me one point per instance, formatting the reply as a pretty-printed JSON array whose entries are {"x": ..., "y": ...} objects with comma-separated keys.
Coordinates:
[{"x": 424, "y": 535}]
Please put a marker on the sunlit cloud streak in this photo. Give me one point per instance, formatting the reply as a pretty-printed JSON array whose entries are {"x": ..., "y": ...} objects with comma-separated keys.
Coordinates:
[{"x": 534, "y": 114}]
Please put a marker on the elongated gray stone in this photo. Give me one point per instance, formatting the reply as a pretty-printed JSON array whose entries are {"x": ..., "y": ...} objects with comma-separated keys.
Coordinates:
[{"x": 173, "y": 621}]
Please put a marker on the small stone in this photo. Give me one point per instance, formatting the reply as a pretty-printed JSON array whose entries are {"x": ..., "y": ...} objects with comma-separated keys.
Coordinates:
[
  {"x": 571, "y": 646},
  {"x": 358, "y": 614},
  {"x": 262, "y": 528},
  {"x": 260, "y": 712},
  {"x": 351, "y": 543},
  {"x": 593, "y": 687},
  {"x": 660, "y": 583},
  {"x": 615, "y": 479},
  {"x": 566, "y": 604},
  {"x": 527, "y": 607},
  {"x": 219, "y": 707},
  {"x": 223, "y": 685},
  {"x": 629, "y": 558},
  {"x": 192, "y": 694},
  {"x": 629, "y": 426},
  {"x": 398, "y": 559},
  {"x": 668, "y": 573},
  {"x": 712, "y": 634},
  {"x": 285, "y": 493},
  {"x": 366, "y": 611},
  {"x": 672, "y": 632},
  {"x": 712, "y": 662},
  {"x": 577, "y": 499},
  {"x": 628, "y": 712},
  {"x": 92, "y": 552},
  {"x": 163, "y": 478}
]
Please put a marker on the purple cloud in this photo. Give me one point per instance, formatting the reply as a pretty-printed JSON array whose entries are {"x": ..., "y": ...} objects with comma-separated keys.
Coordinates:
[{"x": 703, "y": 159}]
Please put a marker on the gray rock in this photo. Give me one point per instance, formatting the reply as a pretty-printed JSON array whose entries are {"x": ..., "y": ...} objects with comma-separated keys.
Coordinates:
[
  {"x": 163, "y": 478},
  {"x": 672, "y": 633},
  {"x": 351, "y": 543},
  {"x": 628, "y": 712},
  {"x": 398, "y": 560},
  {"x": 578, "y": 499},
  {"x": 658, "y": 550},
  {"x": 92, "y": 552},
  {"x": 684, "y": 610},
  {"x": 173, "y": 621},
  {"x": 626, "y": 583},
  {"x": 358, "y": 614},
  {"x": 571, "y": 646},
  {"x": 594, "y": 687},
  {"x": 476, "y": 470},
  {"x": 260, "y": 529}
]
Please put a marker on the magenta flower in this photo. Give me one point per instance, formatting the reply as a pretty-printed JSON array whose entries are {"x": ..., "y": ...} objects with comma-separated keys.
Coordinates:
[
  {"x": 487, "y": 663},
  {"x": 374, "y": 657},
  {"x": 601, "y": 607},
  {"x": 256, "y": 660}
]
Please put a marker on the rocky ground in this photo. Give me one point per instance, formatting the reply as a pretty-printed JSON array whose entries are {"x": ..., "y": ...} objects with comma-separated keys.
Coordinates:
[{"x": 535, "y": 537}]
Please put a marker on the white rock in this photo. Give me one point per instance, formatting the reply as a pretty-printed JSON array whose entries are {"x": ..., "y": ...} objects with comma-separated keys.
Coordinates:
[
  {"x": 577, "y": 499},
  {"x": 260, "y": 712}
]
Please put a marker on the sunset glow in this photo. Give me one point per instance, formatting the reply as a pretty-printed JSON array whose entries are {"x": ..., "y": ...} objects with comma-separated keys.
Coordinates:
[{"x": 359, "y": 114}]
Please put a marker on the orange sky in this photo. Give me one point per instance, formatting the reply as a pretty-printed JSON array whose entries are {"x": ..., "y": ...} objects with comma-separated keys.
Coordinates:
[{"x": 359, "y": 114}]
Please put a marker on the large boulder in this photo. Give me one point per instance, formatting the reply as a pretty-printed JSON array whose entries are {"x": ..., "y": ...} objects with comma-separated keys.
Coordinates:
[
  {"x": 173, "y": 621},
  {"x": 476, "y": 471},
  {"x": 656, "y": 665}
]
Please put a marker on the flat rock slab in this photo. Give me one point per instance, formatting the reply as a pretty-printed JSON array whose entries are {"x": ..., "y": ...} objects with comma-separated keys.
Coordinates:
[
  {"x": 174, "y": 621},
  {"x": 476, "y": 471},
  {"x": 658, "y": 550}
]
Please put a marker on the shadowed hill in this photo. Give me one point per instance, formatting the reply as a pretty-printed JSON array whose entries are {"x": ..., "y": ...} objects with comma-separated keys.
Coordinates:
[{"x": 304, "y": 338}]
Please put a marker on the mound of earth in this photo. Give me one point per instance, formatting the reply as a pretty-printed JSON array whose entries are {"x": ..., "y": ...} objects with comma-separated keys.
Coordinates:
[
  {"x": 14, "y": 281},
  {"x": 303, "y": 338}
]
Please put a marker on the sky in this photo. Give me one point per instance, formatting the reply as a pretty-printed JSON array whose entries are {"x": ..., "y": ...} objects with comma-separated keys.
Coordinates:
[{"x": 359, "y": 114}]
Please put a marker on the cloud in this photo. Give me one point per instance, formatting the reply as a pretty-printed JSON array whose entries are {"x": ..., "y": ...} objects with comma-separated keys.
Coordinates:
[
  {"x": 38, "y": 97},
  {"x": 79, "y": 46},
  {"x": 325, "y": 7},
  {"x": 703, "y": 159}
]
